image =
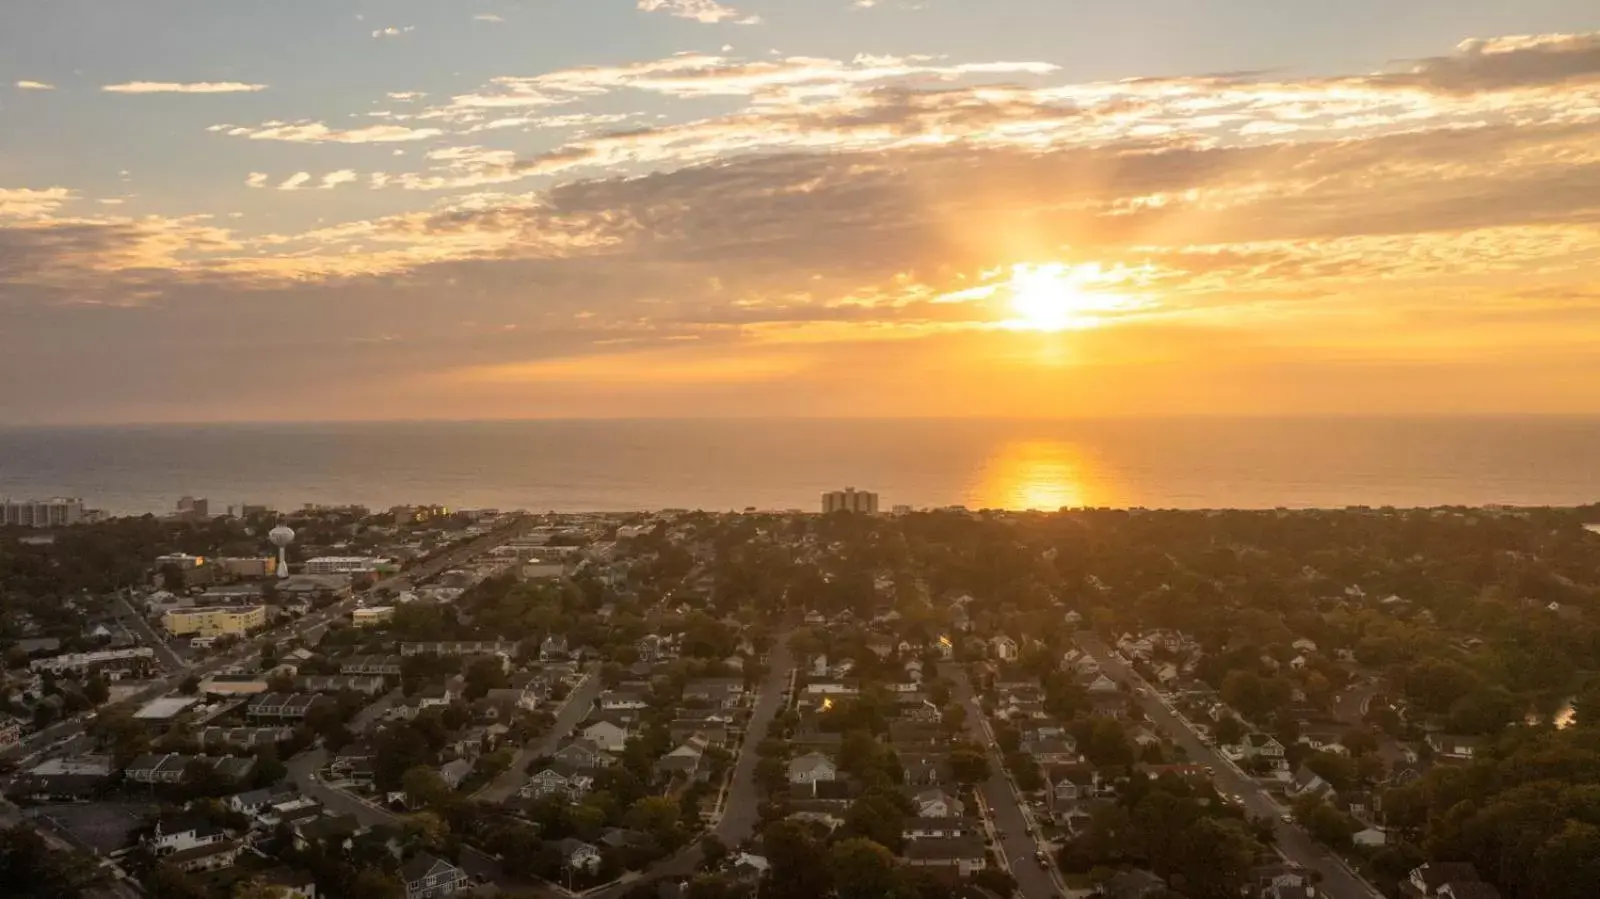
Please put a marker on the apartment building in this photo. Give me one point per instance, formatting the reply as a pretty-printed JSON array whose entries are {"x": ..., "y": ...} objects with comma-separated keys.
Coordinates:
[{"x": 214, "y": 621}]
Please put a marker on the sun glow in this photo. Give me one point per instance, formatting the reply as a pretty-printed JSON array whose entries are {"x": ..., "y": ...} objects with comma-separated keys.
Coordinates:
[{"x": 1060, "y": 297}]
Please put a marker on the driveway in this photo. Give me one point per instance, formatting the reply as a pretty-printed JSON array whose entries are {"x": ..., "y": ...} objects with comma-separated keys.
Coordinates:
[{"x": 1338, "y": 881}]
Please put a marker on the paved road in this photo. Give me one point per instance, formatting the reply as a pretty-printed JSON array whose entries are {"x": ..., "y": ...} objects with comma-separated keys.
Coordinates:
[
  {"x": 148, "y": 633},
  {"x": 1017, "y": 845},
  {"x": 739, "y": 808},
  {"x": 573, "y": 709},
  {"x": 251, "y": 649},
  {"x": 1338, "y": 881}
]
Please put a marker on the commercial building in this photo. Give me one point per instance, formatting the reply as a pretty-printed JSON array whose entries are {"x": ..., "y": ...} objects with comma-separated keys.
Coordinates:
[
  {"x": 214, "y": 621},
  {"x": 123, "y": 659},
  {"x": 41, "y": 513},
  {"x": 182, "y": 560},
  {"x": 345, "y": 565},
  {"x": 194, "y": 508},
  {"x": 265, "y": 566},
  {"x": 850, "y": 500},
  {"x": 371, "y": 616}
]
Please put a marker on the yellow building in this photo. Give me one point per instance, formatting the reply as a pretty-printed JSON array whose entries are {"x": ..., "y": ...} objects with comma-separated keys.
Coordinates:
[
  {"x": 214, "y": 621},
  {"x": 372, "y": 616}
]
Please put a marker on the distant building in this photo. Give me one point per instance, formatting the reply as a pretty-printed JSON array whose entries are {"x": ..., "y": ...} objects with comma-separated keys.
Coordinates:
[
  {"x": 850, "y": 500},
  {"x": 372, "y": 616},
  {"x": 182, "y": 560},
  {"x": 249, "y": 567},
  {"x": 214, "y": 621},
  {"x": 345, "y": 565},
  {"x": 192, "y": 507},
  {"x": 120, "y": 659},
  {"x": 41, "y": 513}
]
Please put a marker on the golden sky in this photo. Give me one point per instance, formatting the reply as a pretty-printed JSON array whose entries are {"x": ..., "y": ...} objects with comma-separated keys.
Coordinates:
[{"x": 876, "y": 235}]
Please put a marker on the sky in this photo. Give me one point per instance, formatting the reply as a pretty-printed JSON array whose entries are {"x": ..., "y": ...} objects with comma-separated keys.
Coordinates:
[{"x": 227, "y": 210}]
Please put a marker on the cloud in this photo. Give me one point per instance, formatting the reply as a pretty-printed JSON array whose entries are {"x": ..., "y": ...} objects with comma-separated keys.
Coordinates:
[
  {"x": 257, "y": 179},
  {"x": 707, "y": 12},
  {"x": 334, "y": 179},
  {"x": 1489, "y": 64},
  {"x": 488, "y": 17},
  {"x": 27, "y": 203},
  {"x": 34, "y": 86},
  {"x": 173, "y": 87},
  {"x": 307, "y": 132},
  {"x": 296, "y": 181},
  {"x": 392, "y": 31}
]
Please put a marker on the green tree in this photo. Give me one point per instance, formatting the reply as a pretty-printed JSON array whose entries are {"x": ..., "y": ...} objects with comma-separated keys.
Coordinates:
[
  {"x": 713, "y": 852},
  {"x": 863, "y": 869},
  {"x": 1567, "y": 866},
  {"x": 969, "y": 765}
]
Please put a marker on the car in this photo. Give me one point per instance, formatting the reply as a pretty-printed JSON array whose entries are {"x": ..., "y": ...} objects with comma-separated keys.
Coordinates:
[
  {"x": 1043, "y": 857},
  {"x": 1210, "y": 770},
  {"x": 1286, "y": 818}
]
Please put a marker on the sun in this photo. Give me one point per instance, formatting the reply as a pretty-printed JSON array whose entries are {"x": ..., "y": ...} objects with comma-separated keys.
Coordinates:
[{"x": 1056, "y": 297}]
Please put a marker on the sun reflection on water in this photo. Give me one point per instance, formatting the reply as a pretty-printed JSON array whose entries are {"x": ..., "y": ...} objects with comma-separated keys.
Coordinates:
[{"x": 1039, "y": 474}]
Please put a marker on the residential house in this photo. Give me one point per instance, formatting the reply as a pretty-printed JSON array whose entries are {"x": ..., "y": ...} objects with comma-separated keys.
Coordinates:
[
  {"x": 1061, "y": 751},
  {"x": 583, "y": 754},
  {"x": 577, "y": 855},
  {"x": 253, "y": 801},
  {"x": 964, "y": 855},
  {"x": 713, "y": 730},
  {"x": 811, "y": 769},
  {"x": 1003, "y": 648},
  {"x": 722, "y": 692},
  {"x": 429, "y": 877},
  {"x": 330, "y": 831},
  {"x": 618, "y": 701},
  {"x": 1135, "y": 884},
  {"x": 453, "y": 773},
  {"x": 1427, "y": 881},
  {"x": 608, "y": 735},
  {"x": 553, "y": 648},
  {"x": 939, "y": 828},
  {"x": 561, "y": 780},
  {"x": 371, "y": 666},
  {"x": 208, "y": 857},
  {"x": 284, "y": 706},
  {"x": 1264, "y": 746},
  {"x": 285, "y": 883},
  {"x": 936, "y": 803},
  {"x": 177, "y": 833},
  {"x": 1454, "y": 747}
]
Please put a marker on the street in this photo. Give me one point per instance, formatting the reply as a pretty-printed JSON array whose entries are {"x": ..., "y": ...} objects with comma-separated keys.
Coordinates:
[
  {"x": 1018, "y": 844},
  {"x": 1338, "y": 881},
  {"x": 573, "y": 709}
]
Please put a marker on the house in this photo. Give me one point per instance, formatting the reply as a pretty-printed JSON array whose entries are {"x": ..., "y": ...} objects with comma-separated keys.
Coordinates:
[
  {"x": 1430, "y": 879},
  {"x": 577, "y": 855},
  {"x": 428, "y": 877},
  {"x": 725, "y": 692},
  {"x": 1260, "y": 745},
  {"x": 371, "y": 666},
  {"x": 616, "y": 700},
  {"x": 1452, "y": 746},
  {"x": 1307, "y": 782},
  {"x": 963, "y": 855},
  {"x": 811, "y": 769},
  {"x": 583, "y": 754},
  {"x": 553, "y": 648},
  {"x": 1304, "y": 645},
  {"x": 1052, "y": 752},
  {"x": 453, "y": 773},
  {"x": 178, "y": 833},
  {"x": 1135, "y": 884},
  {"x": 207, "y": 857},
  {"x": 1469, "y": 889},
  {"x": 253, "y": 801},
  {"x": 1004, "y": 648},
  {"x": 285, "y": 883},
  {"x": 748, "y": 868},
  {"x": 713, "y": 730},
  {"x": 284, "y": 706},
  {"x": 609, "y": 736},
  {"x": 936, "y": 803},
  {"x": 938, "y": 828},
  {"x": 1073, "y": 783},
  {"x": 333, "y": 831},
  {"x": 1102, "y": 685},
  {"x": 558, "y": 780},
  {"x": 684, "y": 760}
]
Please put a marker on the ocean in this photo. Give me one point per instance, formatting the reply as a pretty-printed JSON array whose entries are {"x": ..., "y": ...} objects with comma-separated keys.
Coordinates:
[{"x": 781, "y": 464}]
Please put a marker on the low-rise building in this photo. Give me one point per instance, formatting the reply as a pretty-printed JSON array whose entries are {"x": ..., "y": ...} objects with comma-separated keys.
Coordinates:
[
  {"x": 330, "y": 565},
  {"x": 372, "y": 616},
  {"x": 214, "y": 621},
  {"x": 290, "y": 706},
  {"x": 962, "y": 855},
  {"x": 428, "y": 877}
]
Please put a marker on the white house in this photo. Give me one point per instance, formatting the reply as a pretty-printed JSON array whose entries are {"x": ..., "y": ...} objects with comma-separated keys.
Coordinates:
[
  {"x": 608, "y": 736},
  {"x": 811, "y": 769},
  {"x": 1004, "y": 648}
]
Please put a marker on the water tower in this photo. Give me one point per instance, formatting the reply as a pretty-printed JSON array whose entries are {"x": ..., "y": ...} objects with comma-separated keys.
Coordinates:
[{"x": 281, "y": 536}]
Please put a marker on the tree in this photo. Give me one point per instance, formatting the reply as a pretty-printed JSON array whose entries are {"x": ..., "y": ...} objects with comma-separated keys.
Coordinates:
[
  {"x": 657, "y": 816},
  {"x": 1026, "y": 771},
  {"x": 190, "y": 686},
  {"x": 29, "y": 868},
  {"x": 800, "y": 868},
  {"x": 1359, "y": 741},
  {"x": 878, "y": 817},
  {"x": 969, "y": 765},
  {"x": 863, "y": 869},
  {"x": 713, "y": 852},
  {"x": 96, "y": 690},
  {"x": 373, "y": 883},
  {"x": 167, "y": 882},
  {"x": 1567, "y": 866},
  {"x": 424, "y": 787},
  {"x": 1229, "y": 731}
]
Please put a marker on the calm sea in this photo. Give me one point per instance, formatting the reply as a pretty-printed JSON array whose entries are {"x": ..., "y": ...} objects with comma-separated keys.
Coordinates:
[{"x": 623, "y": 465}]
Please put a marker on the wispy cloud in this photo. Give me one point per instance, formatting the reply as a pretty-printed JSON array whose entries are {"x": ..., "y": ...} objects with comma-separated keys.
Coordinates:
[
  {"x": 26, "y": 203},
  {"x": 392, "y": 31},
  {"x": 488, "y": 17},
  {"x": 334, "y": 179},
  {"x": 257, "y": 179},
  {"x": 34, "y": 86},
  {"x": 708, "y": 12},
  {"x": 296, "y": 181},
  {"x": 176, "y": 87},
  {"x": 318, "y": 133}
]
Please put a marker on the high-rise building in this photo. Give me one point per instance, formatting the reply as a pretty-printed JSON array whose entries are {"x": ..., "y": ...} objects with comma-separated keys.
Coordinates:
[
  {"x": 42, "y": 513},
  {"x": 194, "y": 507},
  {"x": 850, "y": 500}
]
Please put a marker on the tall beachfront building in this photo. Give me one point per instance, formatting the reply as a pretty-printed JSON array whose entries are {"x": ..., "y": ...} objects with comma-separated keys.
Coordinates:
[{"x": 850, "y": 500}]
